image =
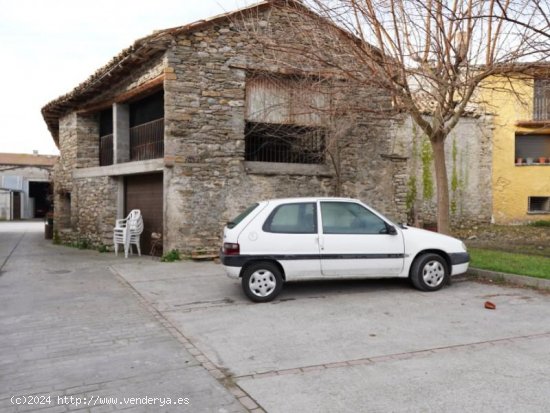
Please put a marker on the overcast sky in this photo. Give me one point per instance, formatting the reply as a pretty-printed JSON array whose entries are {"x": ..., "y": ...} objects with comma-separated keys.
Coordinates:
[{"x": 47, "y": 47}]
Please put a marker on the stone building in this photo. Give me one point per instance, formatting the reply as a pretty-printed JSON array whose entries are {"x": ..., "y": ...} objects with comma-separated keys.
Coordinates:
[
  {"x": 193, "y": 124},
  {"x": 25, "y": 185}
]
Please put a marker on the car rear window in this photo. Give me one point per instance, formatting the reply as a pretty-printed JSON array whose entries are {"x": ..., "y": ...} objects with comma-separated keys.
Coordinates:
[{"x": 236, "y": 221}]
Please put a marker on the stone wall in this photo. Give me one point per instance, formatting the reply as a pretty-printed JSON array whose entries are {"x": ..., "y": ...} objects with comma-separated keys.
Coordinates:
[
  {"x": 96, "y": 215},
  {"x": 468, "y": 154},
  {"x": 63, "y": 181},
  {"x": 204, "y": 131},
  {"x": 87, "y": 135}
]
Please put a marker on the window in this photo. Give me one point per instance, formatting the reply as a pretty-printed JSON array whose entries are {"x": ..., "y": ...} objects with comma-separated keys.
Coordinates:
[
  {"x": 300, "y": 218},
  {"x": 106, "y": 137},
  {"x": 284, "y": 118},
  {"x": 350, "y": 218},
  {"x": 237, "y": 220},
  {"x": 532, "y": 149},
  {"x": 265, "y": 142},
  {"x": 539, "y": 205}
]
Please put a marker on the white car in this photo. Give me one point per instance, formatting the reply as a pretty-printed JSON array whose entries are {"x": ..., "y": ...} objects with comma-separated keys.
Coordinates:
[{"x": 283, "y": 240}]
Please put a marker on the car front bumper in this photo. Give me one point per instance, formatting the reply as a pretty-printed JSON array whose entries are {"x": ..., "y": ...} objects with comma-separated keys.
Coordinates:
[{"x": 459, "y": 262}]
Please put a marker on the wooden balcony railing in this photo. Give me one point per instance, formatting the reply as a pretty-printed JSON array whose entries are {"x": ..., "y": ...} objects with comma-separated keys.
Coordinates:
[
  {"x": 147, "y": 140},
  {"x": 541, "y": 104},
  {"x": 106, "y": 150}
]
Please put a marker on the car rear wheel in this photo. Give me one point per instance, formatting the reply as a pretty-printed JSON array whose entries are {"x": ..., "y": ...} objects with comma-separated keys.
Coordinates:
[
  {"x": 429, "y": 272},
  {"x": 262, "y": 282}
]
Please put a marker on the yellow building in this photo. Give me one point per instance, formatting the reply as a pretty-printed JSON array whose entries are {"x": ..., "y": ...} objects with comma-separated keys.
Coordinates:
[{"x": 521, "y": 146}]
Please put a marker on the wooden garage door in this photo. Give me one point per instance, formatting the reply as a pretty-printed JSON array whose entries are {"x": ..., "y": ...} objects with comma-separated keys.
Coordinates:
[
  {"x": 144, "y": 192},
  {"x": 17, "y": 205}
]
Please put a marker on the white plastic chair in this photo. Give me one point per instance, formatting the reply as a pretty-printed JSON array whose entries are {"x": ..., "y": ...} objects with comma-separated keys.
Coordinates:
[{"x": 127, "y": 231}]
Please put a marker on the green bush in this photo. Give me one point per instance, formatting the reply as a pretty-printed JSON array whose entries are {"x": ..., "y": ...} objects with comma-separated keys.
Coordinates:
[
  {"x": 82, "y": 244},
  {"x": 103, "y": 248},
  {"x": 171, "y": 256},
  {"x": 540, "y": 224}
]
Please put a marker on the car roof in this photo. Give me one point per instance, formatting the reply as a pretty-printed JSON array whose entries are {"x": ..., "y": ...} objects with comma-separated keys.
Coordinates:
[{"x": 308, "y": 199}]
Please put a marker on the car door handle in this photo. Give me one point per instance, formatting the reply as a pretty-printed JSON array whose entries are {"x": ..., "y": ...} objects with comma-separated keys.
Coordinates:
[{"x": 320, "y": 242}]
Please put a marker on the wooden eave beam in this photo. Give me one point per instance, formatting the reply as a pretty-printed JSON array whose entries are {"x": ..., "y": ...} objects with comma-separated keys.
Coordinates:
[{"x": 151, "y": 85}]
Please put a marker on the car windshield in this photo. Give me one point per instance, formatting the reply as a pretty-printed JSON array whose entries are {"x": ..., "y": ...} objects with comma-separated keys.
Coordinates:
[
  {"x": 389, "y": 219},
  {"x": 235, "y": 221}
]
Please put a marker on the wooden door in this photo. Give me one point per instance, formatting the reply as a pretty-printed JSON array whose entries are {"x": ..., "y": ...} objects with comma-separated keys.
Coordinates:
[
  {"x": 16, "y": 205},
  {"x": 145, "y": 192}
]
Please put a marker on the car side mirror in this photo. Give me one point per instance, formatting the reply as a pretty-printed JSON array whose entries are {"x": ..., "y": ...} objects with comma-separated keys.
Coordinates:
[{"x": 391, "y": 230}]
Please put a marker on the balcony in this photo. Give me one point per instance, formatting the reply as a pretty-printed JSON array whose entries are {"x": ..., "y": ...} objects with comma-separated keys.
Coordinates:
[
  {"x": 147, "y": 140},
  {"x": 541, "y": 103},
  {"x": 106, "y": 150}
]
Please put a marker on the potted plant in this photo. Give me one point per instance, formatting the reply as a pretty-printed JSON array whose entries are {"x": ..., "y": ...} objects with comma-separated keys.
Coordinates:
[
  {"x": 542, "y": 159},
  {"x": 530, "y": 161},
  {"x": 519, "y": 161}
]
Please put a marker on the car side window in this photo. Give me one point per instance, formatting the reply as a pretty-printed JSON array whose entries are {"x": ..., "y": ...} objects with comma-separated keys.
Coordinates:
[
  {"x": 297, "y": 218},
  {"x": 350, "y": 218}
]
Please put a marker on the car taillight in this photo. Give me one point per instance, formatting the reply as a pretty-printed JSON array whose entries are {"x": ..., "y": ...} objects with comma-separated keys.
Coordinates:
[{"x": 230, "y": 248}]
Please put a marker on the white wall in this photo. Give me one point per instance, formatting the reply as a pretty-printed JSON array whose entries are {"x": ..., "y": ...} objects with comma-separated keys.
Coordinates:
[{"x": 18, "y": 179}]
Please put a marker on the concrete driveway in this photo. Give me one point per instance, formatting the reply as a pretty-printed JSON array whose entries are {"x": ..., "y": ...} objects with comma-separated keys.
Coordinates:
[{"x": 361, "y": 346}]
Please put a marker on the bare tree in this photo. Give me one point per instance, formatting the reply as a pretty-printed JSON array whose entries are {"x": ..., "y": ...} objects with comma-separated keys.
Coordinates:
[{"x": 431, "y": 55}]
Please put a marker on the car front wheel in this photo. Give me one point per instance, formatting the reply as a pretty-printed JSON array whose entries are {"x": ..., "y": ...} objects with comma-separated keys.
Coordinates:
[
  {"x": 429, "y": 272},
  {"x": 262, "y": 282}
]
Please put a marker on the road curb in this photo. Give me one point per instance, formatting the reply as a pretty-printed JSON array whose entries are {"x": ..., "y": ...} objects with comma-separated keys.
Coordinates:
[{"x": 501, "y": 277}]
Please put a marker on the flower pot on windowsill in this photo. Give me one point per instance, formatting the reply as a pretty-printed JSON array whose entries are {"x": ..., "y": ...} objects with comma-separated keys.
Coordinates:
[
  {"x": 519, "y": 161},
  {"x": 530, "y": 161},
  {"x": 542, "y": 160}
]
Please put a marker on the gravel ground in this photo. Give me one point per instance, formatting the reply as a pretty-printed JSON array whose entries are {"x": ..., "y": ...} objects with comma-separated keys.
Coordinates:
[{"x": 513, "y": 238}]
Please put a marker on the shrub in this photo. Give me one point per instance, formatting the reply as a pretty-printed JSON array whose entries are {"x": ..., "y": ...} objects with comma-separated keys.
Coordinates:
[
  {"x": 540, "y": 224},
  {"x": 171, "y": 256},
  {"x": 82, "y": 244}
]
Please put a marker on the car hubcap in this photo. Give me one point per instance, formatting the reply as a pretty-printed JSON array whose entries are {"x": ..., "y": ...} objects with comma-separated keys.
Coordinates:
[
  {"x": 262, "y": 283},
  {"x": 433, "y": 273}
]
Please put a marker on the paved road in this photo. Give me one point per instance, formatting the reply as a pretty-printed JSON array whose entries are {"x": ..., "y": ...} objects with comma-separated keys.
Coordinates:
[
  {"x": 70, "y": 327},
  {"x": 81, "y": 323},
  {"x": 368, "y": 346}
]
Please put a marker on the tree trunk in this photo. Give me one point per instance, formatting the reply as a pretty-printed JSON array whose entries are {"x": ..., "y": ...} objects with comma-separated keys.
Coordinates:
[{"x": 442, "y": 184}]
